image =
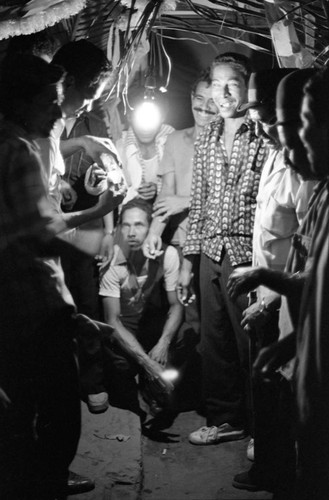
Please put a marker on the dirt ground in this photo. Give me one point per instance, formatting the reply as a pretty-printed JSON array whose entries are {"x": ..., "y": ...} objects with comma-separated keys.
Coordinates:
[
  {"x": 174, "y": 469},
  {"x": 129, "y": 465}
]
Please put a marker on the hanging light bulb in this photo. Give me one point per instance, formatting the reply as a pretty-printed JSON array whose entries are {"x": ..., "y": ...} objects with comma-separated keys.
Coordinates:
[{"x": 147, "y": 114}]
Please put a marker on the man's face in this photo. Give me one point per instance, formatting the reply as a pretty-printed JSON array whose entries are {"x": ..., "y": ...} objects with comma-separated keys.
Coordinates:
[
  {"x": 134, "y": 227},
  {"x": 229, "y": 90},
  {"x": 294, "y": 150},
  {"x": 144, "y": 135},
  {"x": 265, "y": 118},
  {"x": 204, "y": 108},
  {"x": 146, "y": 120},
  {"x": 315, "y": 139},
  {"x": 80, "y": 99},
  {"x": 44, "y": 110}
]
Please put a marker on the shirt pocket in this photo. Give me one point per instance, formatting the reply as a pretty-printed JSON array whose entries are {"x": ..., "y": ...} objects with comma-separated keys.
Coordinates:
[{"x": 279, "y": 220}]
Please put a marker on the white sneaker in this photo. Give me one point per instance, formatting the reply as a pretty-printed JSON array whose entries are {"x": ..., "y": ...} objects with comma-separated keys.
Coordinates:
[
  {"x": 214, "y": 435},
  {"x": 250, "y": 450},
  {"x": 98, "y": 403}
]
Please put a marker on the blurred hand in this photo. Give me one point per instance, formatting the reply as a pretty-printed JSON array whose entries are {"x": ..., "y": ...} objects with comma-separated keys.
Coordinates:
[
  {"x": 69, "y": 196},
  {"x": 185, "y": 292},
  {"x": 152, "y": 246},
  {"x": 167, "y": 206},
  {"x": 95, "y": 180},
  {"x": 147, "y": 190},
  {"x": 254, "y": 318},
  {"x": 273, "y": 357},
  {"x": 106, "y": 251},
  {"x": 153, "y": 372},
  {"x": 97, "y": 174},
  {"x": 243, "y": 280},
  {"x": 107, "y": 202}
]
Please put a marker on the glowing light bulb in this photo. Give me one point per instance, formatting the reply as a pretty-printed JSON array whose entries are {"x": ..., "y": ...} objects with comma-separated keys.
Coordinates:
[{"x": 147, "y": 116}]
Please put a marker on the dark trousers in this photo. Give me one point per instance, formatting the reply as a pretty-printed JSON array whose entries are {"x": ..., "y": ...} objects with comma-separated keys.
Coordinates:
[
  {"x": 81, "y": 277},
  {"x": 275, "y": 428},
  {"x": 223, "y": 347},
  {"x": 313, "y": 454},
  {"x": 40, "y": 429}
]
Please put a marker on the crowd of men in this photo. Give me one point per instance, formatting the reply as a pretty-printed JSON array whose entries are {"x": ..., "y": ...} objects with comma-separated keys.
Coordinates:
[{"x": 219, "y": 254}]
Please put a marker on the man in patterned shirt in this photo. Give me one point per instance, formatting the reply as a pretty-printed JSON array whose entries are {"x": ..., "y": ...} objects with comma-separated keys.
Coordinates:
[{"x": 228, "y": 161}]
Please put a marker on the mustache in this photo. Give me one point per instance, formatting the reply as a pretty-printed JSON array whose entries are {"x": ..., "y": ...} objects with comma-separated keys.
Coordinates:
[{"x": 208, "y": 112}]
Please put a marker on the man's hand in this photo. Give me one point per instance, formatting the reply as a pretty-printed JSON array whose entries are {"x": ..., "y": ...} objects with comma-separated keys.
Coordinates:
[
  {"x": 274, "y": 356},
  {"x": 254, "y": 318},
  {"x": 108, "y": 202},
  {"x": 169, "y": 205},
  {"x": 185, "y": 293},
  {"x": 147, "y": 190},
  {"x": 152, "y": 246},
  {"x": 69, "y": 196},
  {"x": 159, "y": 352},
  {"x": 154, "y": 372},
  {"x": 243, "y": 280},
  {"x": 106, "y": 251},
  {"x": 94, "y": 180}
]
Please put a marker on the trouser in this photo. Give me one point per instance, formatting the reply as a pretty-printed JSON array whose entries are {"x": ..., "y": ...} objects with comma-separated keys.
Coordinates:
[
  {"x": 313, "y": 452},
  {"x": 275, "y": 419},
  {"x": 40, "y": 429},
  {"x": 81, "y": 277},
  {"x": 223, "y": 346}
]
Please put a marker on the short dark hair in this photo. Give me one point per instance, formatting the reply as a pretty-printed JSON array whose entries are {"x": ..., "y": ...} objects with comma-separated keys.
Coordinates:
[
  {"x": 240, "y": 62},
  {"x": 317, "y": 89},
  {"x": 143, "y": 205},
  {"x": 204, "y": 76},
  {"x": 84, "y": 61},
  {"x": 36, "y": 44},
  {"x": 23, "y": 77}
]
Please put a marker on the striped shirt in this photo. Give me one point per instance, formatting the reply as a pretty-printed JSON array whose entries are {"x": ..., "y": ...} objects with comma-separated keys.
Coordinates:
[{"x": 223, "y": 195}]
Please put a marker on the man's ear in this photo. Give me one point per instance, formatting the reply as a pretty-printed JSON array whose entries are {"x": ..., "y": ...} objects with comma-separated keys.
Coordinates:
[{"x": 69, "y": 81}]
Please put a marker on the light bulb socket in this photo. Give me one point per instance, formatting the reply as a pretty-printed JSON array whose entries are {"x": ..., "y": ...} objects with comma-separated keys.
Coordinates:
[{"x": 150, "y": 82}]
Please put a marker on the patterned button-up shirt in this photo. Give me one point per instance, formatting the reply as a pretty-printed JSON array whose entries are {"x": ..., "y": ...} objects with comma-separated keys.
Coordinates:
[{"x": 223, "y": 196}]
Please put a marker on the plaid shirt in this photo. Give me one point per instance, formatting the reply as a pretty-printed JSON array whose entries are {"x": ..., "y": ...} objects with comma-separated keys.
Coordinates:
[
  {"x": 223, "y": 196},
  {"x": 31, "y": 290},
  {"x": 23, "y": 199}
]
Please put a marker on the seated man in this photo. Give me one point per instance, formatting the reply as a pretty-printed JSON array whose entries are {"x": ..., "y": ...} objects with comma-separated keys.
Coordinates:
[{"x": 139, "y": 295}]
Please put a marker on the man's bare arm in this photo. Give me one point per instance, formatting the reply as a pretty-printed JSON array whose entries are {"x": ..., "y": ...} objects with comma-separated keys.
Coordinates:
[
  {"x": 243, "y": 280},
  {"x": 129, "y": 343}
]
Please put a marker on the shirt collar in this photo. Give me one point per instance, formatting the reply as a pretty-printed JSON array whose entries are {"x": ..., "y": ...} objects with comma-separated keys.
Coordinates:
[
  {"x": 218, "y": 125},
  {"x": 119, "y": 256}
]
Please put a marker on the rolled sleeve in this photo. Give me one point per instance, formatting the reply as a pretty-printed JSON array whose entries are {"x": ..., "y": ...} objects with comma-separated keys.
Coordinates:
[
  {"x": 171, "y": 269},
  {"x": 110, "y": 283}
]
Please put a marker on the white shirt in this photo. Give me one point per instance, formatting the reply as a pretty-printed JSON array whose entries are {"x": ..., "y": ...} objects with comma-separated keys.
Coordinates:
[
  {"x": 136, "y": 169},
  {"x": 282, "y": 202}
]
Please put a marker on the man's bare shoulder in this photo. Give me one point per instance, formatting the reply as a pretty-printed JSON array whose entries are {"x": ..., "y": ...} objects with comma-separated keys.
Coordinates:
[{"x": 179, "y": 135}]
